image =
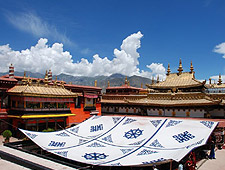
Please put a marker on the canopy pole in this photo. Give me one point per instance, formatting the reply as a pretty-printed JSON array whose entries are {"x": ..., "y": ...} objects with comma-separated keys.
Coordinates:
[{"x": 171, "y": 163}]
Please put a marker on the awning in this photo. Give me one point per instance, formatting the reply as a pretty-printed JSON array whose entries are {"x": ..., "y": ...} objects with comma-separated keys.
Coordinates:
[
  {"x": 90, "y": 95},
  {"x": 41, "y": 116},
  {"x": 125, "y": 141}
]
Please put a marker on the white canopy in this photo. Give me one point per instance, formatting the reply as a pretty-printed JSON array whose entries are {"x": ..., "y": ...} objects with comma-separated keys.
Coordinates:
[{"x": 125, "y": 141}]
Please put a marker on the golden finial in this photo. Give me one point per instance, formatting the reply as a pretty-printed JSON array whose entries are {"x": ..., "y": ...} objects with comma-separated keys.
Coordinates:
[
  {"x": 46, "y": 78},
  {"x": 108, "y": 84},
  {"x": 128, "y": 83},
  {"x": 55, "y": 82},
  {"x": 153, "y": 81},
  {"x": 24, "y": 81},
  {"x": 142, "y": 85},
  {"x": 192, "y": 68},
  {"x": 126, "y": 80},
  {"x": 180, "y": 68},
  {"x": 158, "y": 79},
  {"x": 220, "y": 80},
  {"x": 95, "y": 83},
  {"x": 62, "y": 84},
  {"x": 168, "y": 70}
]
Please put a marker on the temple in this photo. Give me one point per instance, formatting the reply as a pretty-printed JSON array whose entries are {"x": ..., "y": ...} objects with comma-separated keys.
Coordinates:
[
  {"x": 38, "y": 104},
  {"x": 180, "y": 95}
]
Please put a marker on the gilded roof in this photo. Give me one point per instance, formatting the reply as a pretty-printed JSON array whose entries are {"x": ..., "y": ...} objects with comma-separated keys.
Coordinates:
[
  {"x": 175, "y": 80},
  {"x": 48, "y": 91},
  {"x": 167, "y": 102}
]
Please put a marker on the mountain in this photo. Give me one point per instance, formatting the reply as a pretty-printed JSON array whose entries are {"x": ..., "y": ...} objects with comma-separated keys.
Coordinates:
[{"x": 102, "y": 81}]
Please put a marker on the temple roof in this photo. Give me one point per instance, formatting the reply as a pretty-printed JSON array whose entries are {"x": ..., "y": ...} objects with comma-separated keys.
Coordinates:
[
  {"x": 175, "y": 80},
  {"x": 43, "y": 91},
  {"x": 168, "y": 102}
]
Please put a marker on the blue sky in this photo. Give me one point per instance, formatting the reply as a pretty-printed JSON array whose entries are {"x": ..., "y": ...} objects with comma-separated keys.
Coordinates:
[{"x": 169, "y": 30}]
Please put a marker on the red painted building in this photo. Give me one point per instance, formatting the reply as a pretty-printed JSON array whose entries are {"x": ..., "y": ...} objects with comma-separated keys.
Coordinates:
[{"x": 38, "y": 104}]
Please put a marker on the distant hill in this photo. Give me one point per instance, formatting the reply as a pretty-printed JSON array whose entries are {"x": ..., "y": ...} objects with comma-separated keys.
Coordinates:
[{"x": 102, "y": 81}]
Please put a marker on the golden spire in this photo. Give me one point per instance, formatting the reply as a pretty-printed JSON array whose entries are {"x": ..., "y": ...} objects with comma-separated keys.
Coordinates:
[
  {"x": 46, "y": 78},
  {"x": 55, "y": 82},
  {"x": 128, "y": 83},
  {"x": 180, "y": 68},
  {"x": 168, "y": 70},
  {"x": 220, "y": 80},
  {"x": 192, "y": 68},
  {"x": 126, "y": 80},
  {"x": 142, "y": 85},
  {"x": 24, "y": 81},
  {"x": 95, "y": 83},
  {"x": 108, "y": 84},
  {"x": 158, "y": 79},
  {"x": 153, "y": 80}
]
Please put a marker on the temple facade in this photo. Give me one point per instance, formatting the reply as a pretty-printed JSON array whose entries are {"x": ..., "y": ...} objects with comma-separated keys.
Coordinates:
[
  {"x": 38, "y": 104},
  {"x": 179, "y": 95}
]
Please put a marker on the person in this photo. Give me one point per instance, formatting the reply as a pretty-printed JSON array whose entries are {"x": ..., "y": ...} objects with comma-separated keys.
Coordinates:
[
  {"x": 212, "y": 150},
  {"x": 155, "y": 168},
  {"x": 180, "y": 166}
]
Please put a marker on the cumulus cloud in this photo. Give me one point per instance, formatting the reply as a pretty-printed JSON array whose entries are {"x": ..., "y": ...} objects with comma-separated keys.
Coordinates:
[
  {"x": 42, "y": 57},
  {"x": 220, "y": 49},
  {"x": 35, "y": 25}
]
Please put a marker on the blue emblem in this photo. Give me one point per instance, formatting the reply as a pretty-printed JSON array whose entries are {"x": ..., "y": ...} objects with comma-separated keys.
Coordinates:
[
  {"x": 156, "y": 144},
  {"x": 155, "y": 122},
  {"x": 108, "y": 138},
  {"x": 116, "y": 119},
  {"x": 95, "y": 144},
  {"x": 173, "y": 123},
  {"x": 126, "y": 150},
  {"x": 133, "y": 133},
  {"x": 75, "y": 130},
  {"x": 63, "y": 134},
  {"x": 208, "y": 124},
  {"x": 32, "y": 136},
  {"x": 94, "y": 156},
  {"x": 62, "y": 153},
  {"x": 183, "y": 137},
  {"x": 146, "y": 152},
  {"x": 128, "y": 121}
]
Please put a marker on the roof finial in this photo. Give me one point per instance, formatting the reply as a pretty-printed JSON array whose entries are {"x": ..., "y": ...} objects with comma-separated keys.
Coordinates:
[
  {"x": 158, "y": 79},
  {"x": 126, "y": 82},
  {"x": 108, "y": 84},
  {"x": 153, "y": 80},
  {"x": 55, "y": 82},
  {"x": 142, "y": 85},
  {"x": 11, "y": 71},
  {"x": 46, "y": 78},
  {"x": 168, "y": 69},
  {"x": 220, "y": 80},
  {"x": 192, "y": 68},
  {"x": 95, "y": 83},
  {"x": 180, "y": 68}
]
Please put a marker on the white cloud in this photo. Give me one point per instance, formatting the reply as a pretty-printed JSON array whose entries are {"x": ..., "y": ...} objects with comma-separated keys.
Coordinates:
[
  {"x": 42, "y": 57},
  {"x": 216, "y": 78},
  {"x": 220, "y": 49},
  {"x": 33, "y": 24}
]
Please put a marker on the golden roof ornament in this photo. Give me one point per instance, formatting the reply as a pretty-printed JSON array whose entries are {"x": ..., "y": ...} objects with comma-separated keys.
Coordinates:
[
  {"x": 46, "y": 78},
  {"x": 126, "y": 80},
  {"x": 108, "y": 84},
  {"x": 24, "y": 80},
  {"x": 95, "y": 83},
  {"x": 55, "y": 82},
  {"x": 168, "y": 70},
  {"x": 158, "y": 79},
  {"x": 128, "y": 83},
  {"x": 220, "y": 80},
  {"x": 142, "y": 85},
  {"x": 192, "y": 68},
  {"x": 210, "y": 81},
  {"x": 153, "y": 80},
  {"x": 180, "y": 68}
]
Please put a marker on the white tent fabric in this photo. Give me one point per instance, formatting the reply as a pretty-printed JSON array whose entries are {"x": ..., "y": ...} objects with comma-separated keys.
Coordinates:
[{"x": 125, "y": 141}]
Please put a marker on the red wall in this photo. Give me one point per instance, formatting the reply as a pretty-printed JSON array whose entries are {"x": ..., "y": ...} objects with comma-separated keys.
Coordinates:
[{"x": 80, "y": 114}]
